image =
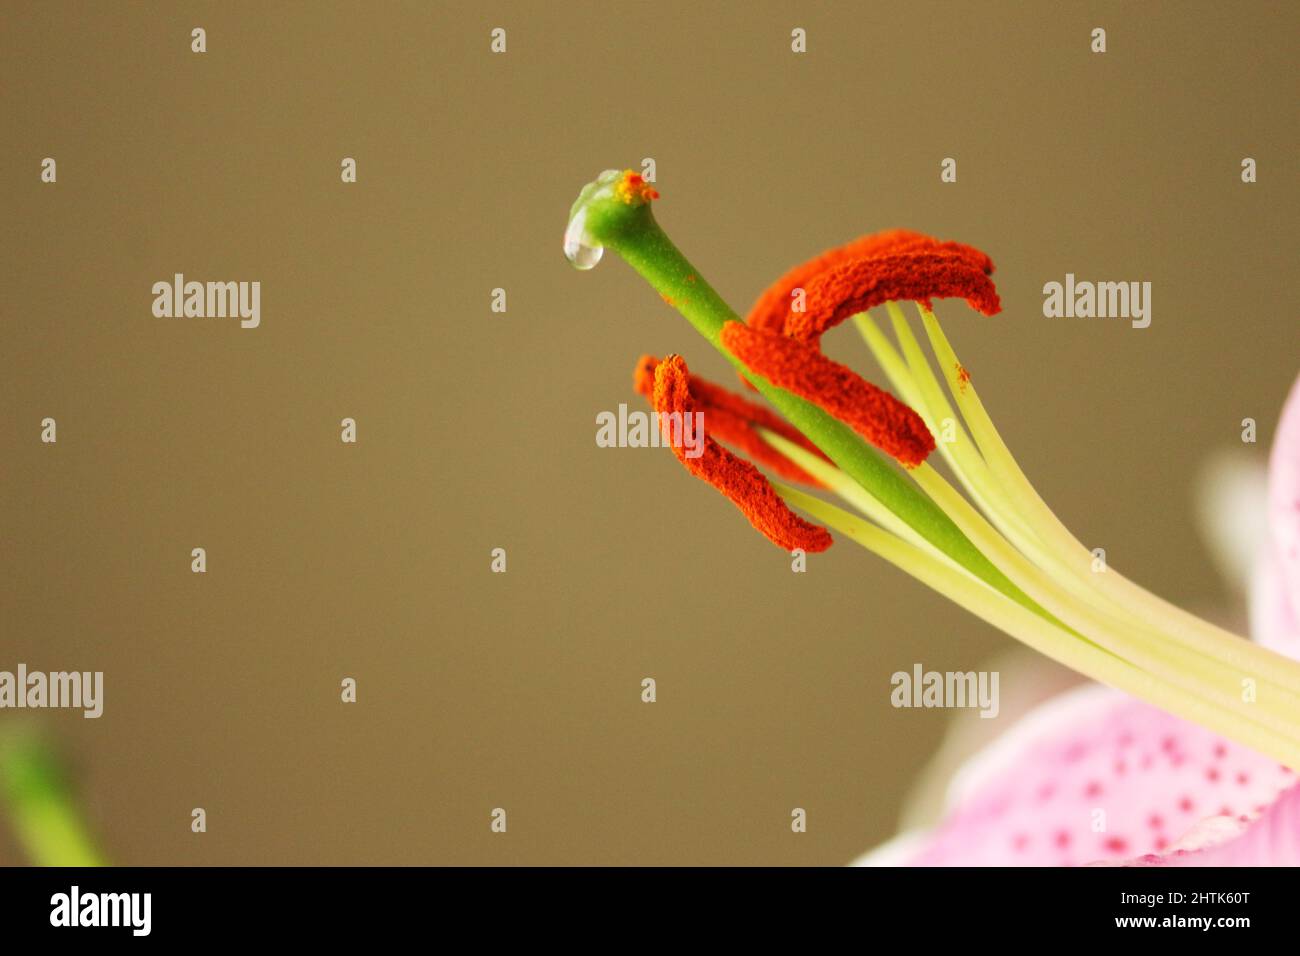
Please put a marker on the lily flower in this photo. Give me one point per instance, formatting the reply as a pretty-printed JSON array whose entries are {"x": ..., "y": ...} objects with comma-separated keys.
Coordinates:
[{"x": 988, "y": 542}]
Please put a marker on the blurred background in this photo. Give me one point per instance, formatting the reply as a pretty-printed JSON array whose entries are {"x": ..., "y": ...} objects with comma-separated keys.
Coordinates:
[{"x": 476, "y": 430}]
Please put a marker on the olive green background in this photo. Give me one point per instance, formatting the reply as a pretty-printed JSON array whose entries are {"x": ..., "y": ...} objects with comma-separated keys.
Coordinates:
[{"x": 477, "y": 430}]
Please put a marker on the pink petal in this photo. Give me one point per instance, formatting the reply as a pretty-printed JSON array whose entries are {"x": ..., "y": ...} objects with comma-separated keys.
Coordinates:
[
  {"x": 1273, "y": 621},
  {"x": 1095, "y": 775},
  {"x": 1284, "y": 495},
  {"x": 1270, "y": 839}
]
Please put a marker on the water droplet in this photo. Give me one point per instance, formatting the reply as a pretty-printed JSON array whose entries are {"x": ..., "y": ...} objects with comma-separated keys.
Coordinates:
[
  {"x": 582, "y": 253},
  {"x": 579, "y": 248}
]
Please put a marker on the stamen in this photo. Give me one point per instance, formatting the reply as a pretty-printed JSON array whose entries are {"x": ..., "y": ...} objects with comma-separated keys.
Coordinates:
[
  {"x": 873, "y": 413},
  {"x": 736, "y": 421},
  {"x": 733, "y": 476},
  {"x": 769, "y": 313},
  {"x": 861, "y": 284}
]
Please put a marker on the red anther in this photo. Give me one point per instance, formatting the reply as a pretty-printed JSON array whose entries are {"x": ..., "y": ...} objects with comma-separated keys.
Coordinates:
[
  {"x": 733, "y": 476},
  {"x": 799, "y": 367},
  {"x": 735, "y": 420},
  {"x": 913, "y": 272},
  {"x": 859, "y": 284}
]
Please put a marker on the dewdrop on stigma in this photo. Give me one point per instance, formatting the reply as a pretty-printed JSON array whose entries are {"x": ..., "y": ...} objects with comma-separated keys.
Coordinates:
[
  {"x": 577, "y": 250},
  {"x": 624, "y": 188}
]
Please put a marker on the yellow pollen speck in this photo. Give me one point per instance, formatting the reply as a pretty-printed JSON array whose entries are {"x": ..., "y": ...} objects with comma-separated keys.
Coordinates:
[{"x": 634, "y": 190}]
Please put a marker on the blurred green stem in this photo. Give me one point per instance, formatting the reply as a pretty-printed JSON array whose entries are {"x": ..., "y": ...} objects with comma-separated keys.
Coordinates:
[{"x": 40, "y": 805}]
